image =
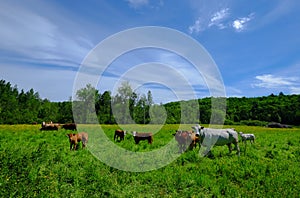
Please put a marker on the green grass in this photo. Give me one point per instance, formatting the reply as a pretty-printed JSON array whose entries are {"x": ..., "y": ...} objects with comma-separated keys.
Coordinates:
[{"x": 34, "y": 163}]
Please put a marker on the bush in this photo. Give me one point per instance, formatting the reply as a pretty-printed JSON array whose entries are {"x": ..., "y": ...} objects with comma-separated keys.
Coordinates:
[
  {"x": 229, "y": 122},
  {"x": 253, "y": 123}
]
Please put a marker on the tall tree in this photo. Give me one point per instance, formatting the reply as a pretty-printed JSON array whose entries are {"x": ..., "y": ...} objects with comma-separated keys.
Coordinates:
[
  {"x": 84, "y": 106},
  {"x": 121, "y": 104}
]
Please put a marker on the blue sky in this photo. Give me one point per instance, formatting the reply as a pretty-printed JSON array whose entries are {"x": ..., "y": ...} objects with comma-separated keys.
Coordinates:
[{"x": 255, "y": 44}]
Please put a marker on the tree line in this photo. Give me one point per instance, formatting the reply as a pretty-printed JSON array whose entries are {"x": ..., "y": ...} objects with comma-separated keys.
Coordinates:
[{"x": 126, "y": 107}]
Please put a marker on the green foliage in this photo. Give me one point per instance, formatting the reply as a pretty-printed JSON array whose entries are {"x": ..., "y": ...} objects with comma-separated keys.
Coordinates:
[
  {"x": 253, "y": 123},
  {"x": 129, "y": 107},
  {"x": 39, "y": 164}
]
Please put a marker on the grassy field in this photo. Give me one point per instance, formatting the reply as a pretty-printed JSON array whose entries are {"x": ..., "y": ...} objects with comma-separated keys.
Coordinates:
[{"x": 34, "y": 163}]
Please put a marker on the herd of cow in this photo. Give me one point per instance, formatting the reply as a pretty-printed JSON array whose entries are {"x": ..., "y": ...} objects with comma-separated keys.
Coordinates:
[
  {"x": 73, "y": 138},
  {"x": 55, "y": 126},
  {"x": 204, "y": 137}
]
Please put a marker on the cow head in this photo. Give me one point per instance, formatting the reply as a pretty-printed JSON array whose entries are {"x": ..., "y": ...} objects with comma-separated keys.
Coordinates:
[
  {"x": 134, "y": 133},
  {"x": 198, "y": 129}
]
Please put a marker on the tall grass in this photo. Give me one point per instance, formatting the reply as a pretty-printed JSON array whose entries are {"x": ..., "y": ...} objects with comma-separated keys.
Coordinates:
[{"x": 35, "y": 163}]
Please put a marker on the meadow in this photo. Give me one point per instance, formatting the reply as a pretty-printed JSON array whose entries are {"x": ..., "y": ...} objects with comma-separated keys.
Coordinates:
[{"x": 37, "y": 163}]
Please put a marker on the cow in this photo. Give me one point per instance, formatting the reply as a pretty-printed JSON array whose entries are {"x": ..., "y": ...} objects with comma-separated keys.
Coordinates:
[
  {"x": 278, "y": 125},
  {"x": 142, "y": 136},
  {"x": 119, "y": 134},
  {"x": 246, "y": 137},
  {"x": 186, "y": 138},
  {"x": 219, "y": 137},
  {"x": 70, "y": 126},
  {"x": 76, "y": 138},
  {"x": 49, "y": 126}
]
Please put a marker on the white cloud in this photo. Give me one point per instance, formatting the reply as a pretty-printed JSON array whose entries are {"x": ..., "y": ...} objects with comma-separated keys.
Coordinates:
[
  {"x": 196, "y": 27},
  {"x": 38, "y": 35},
  {"x": 240, "y": 24},
  {"x": 295, "y": 90},
  {"x": 269, "y": 81},
  {"x": 218, "y": 17},
  {"x": 215, "y": 19}
]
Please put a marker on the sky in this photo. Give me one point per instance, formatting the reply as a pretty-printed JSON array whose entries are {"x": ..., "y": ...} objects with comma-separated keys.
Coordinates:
[{"x": 254, "y": 45}]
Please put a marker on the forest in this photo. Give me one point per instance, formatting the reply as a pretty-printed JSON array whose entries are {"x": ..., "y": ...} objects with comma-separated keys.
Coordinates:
[{"x": 127, "y": 107}]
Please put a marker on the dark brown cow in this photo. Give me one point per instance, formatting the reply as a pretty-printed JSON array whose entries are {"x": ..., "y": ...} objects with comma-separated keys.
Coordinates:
[
  {"x": 119, "y": 134},
  {"x": 70, "y": 126},
  {"x": 49, "y": 126},
  {"x": 142, "y": 136},
  {"x": 76, "y": 138}
]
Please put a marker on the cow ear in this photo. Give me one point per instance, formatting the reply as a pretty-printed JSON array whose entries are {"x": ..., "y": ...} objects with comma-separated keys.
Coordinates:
[{"x": 202, "y": 127}]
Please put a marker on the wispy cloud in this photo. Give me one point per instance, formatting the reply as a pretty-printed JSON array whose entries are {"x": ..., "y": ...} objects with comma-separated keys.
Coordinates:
[
  {"x": 240, "y": 23},
  {"x": 279, "y": 10},
  {"x": 145, "y": 4},
  {"x": 269, "y": 81},
  {"x": 222, "y": 19},
  {"x": 34, "y": 35},
  {"x": 216, "y": 19},
  {"x": 137, "y": 3}
]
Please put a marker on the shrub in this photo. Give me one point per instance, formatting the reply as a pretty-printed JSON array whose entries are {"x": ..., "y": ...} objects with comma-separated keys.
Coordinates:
[{"x": 253, "y": 123}]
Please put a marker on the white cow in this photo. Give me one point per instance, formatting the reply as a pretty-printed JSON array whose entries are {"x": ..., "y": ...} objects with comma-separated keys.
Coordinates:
[
  {"x": 219, "y": 137},
  {"x": 246, "y": 137}
]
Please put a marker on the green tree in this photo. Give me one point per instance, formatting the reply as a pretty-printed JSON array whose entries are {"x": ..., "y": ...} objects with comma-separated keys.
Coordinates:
[
  {"x": 122, "y": 104},
  {"x": 105, "y": 111},
  {"x": 84, "y": 106}
]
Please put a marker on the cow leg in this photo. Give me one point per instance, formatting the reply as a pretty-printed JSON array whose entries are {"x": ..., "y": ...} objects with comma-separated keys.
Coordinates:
[
  {"x": 206, "y": 152},
  {"x": 237, "y": 148},
  {"x": 229, "y": 147},
  {"x": 179, "y": 148}
]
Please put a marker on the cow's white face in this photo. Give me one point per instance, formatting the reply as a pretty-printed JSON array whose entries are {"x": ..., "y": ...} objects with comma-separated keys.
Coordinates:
[
  {"x": 197, "y": 129},
  {"x": 134, "y": 133}
]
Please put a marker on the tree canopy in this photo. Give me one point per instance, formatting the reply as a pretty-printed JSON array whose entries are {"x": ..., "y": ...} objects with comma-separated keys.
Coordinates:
[{"x": 19, "y": 107}]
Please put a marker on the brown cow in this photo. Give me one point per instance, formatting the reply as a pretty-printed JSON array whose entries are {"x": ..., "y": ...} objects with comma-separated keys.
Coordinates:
[
  {"x": 186, "y": 138},
  {"x": 69, "y": 126},
  {"x": 142, "y": 136},
  {"x": 49, "y": 126},
  {"x": 119, "y": 134},
  {"x": 76, "y": 138}
]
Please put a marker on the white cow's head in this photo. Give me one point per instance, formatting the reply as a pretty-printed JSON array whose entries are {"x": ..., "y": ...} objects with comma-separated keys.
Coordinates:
[{"x": 198, "y": 129}]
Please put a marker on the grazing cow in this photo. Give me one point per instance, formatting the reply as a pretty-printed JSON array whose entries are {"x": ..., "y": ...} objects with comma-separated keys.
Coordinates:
[
  {"x": 246, "y": 137},
  {"x": 119, "y": 134},
  {"x": 76, "y": 138},
  {"x": 185, "y": 138},
  {"x": 70, "y": 126},
  {"x": 278, "y": 125},
  {"x": 142, "y": 136},
  {"x": 49, "y": 126},
  {"x": 219, "y": 137}
]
